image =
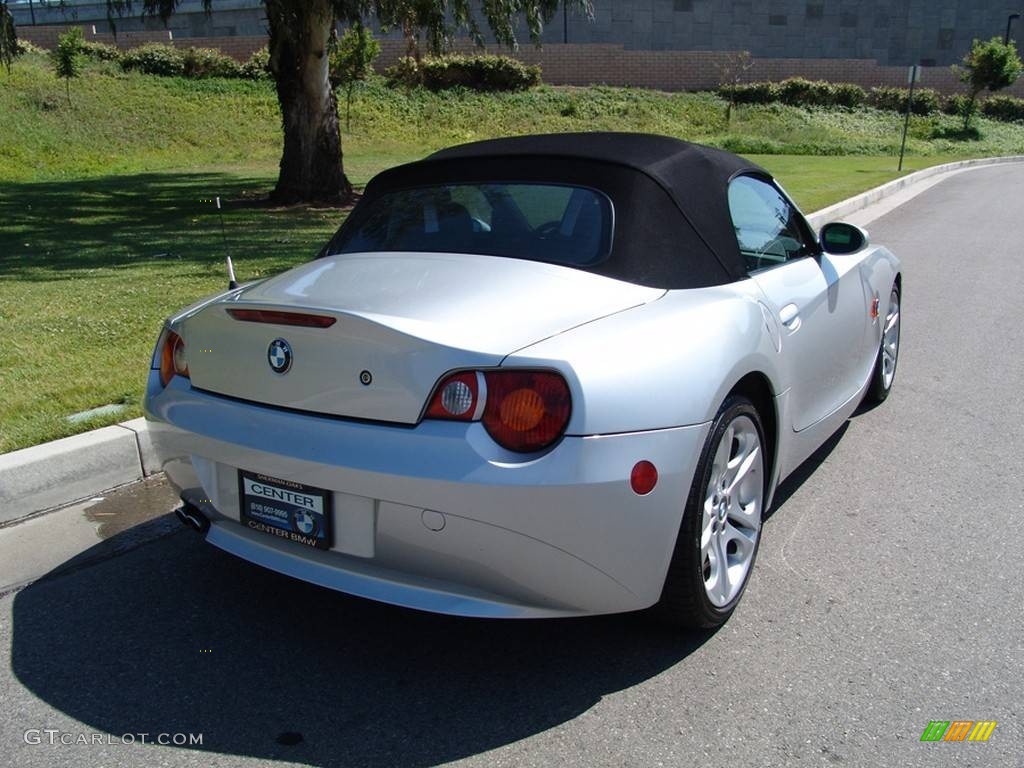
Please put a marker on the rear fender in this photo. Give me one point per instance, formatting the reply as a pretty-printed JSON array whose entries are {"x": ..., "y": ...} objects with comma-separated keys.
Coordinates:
[{"x": 668, "y": 363}]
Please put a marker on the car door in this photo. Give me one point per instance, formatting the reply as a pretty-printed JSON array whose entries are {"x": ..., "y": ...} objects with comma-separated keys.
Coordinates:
[{"x": 818, "y": 300}]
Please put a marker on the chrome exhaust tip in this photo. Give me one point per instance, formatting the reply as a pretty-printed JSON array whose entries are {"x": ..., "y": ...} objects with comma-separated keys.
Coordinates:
[{"x": 191, "y": 517}]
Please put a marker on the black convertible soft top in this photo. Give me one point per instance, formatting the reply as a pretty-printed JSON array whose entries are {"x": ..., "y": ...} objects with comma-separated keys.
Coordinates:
[{"x": 672, "y": 229}]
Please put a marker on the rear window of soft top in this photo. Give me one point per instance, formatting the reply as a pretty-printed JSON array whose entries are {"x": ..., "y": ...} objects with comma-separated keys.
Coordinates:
[{"x": 540, "y": 222}]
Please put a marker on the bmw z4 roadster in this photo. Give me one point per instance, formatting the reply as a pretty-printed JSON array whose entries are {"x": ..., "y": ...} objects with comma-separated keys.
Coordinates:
[{"x": 538, "y": 376}]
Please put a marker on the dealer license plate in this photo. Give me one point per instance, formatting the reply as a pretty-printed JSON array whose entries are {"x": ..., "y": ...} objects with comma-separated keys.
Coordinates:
[{"x": 288, "y": 510}]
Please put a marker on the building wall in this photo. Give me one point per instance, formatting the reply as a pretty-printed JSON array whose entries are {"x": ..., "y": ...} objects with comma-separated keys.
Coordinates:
[
  {"x": 632, "y": 64},
  {"x": 891, "y": 32}
]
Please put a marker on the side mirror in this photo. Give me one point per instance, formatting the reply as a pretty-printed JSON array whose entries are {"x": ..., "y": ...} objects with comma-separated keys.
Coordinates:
[{"x": 840, "y": 238}]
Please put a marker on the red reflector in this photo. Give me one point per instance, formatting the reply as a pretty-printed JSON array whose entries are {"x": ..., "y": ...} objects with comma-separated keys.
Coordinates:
[
  {"x": 276, "y": 317},
  {"x": 643, "y": 478}
]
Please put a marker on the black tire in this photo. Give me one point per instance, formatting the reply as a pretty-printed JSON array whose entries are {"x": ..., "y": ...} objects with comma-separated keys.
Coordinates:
[
  {"x": 881, "y": 383},
  {"x": 685, "y": 602}
]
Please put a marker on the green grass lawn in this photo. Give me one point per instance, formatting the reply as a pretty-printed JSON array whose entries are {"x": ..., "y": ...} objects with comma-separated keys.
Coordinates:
[{"x": 106, "y": 224}]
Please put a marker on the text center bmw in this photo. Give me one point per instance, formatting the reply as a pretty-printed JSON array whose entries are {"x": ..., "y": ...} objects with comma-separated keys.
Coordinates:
[{"x": 541, "y": 376}]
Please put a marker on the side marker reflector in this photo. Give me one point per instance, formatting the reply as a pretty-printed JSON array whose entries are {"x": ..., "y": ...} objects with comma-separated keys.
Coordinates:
[{"x": 643, "y": 478}]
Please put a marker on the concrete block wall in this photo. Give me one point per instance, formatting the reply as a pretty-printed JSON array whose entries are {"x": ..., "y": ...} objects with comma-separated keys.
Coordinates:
[
  {"x": 595, "y": 63},
  {"x": 891, "y": 32}
]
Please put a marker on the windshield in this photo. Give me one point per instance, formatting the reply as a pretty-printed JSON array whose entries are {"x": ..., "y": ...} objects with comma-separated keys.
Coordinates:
[{"x": 543, "y": 222}]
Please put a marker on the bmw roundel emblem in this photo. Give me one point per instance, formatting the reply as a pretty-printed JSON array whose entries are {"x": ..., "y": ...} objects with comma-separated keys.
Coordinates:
[
  {"x": 279, "y": 355},
  {"x": 305, "y": 523}
]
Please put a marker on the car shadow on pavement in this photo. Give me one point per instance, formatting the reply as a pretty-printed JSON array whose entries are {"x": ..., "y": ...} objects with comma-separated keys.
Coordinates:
[
  {"x": 174, "y": 636},
  {"x": 801, "y": 474}
]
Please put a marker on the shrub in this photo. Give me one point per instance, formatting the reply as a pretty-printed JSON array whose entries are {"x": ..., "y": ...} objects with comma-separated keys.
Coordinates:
[
  {"x": 405, "y": 72},
  {"x": 750, "y": 93},
  {"x": 796, "y": 91},
  {"x": 154, "y": 59},
  {"x": 208, "y": 62},
  {"x": 799, "y": 92},
  {"x": 848, "y": 95},
  {"x": 1005, "y": 108},
  {"x": 257, "y": 67},
  {"x": 926, "y": 101},
  {"x": 353, "y": 56},
  {"x": 100, "y": 51},
  {"x": 955, "y": 104},
  {"x": 352, "y": 61},
  {"x": 479, "y": 73},
  {"x": 67, "y": 58},
  {"x": 990, "y": 66},
  {"x": 24, "y": 46}
]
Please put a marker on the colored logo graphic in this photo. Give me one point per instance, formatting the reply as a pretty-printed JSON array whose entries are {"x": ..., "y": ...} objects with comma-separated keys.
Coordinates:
[
  {"x": 305, "y": 522},
  {"x": 279, "y": 355},
  {"x": 958, "y": 730}
]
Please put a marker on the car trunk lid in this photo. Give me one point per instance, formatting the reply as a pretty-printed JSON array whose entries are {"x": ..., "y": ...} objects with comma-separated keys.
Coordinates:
[{"x": 394, "y": 324}]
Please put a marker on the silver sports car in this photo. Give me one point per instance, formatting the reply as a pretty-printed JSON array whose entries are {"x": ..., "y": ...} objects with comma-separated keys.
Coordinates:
[{"x": 539, "y": 376}]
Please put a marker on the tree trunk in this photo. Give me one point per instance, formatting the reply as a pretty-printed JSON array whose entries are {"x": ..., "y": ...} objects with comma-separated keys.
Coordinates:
[{"x": 311, "y": 167}]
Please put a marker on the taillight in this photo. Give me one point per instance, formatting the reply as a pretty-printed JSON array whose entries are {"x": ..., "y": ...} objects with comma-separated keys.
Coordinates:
[
  {"x": 522, "y": 411},
  {"x": 458, "y": 397},
  {"x": 526, "y": 410},
  {"x": 172, "y": 358}
]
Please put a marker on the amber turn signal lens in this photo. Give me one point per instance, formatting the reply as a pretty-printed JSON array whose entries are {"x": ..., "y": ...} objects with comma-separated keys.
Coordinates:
[
  {"x": 522, "y": 410},
  {"x": 172, "y": 358},
  {"x": 526, "y": 411}
]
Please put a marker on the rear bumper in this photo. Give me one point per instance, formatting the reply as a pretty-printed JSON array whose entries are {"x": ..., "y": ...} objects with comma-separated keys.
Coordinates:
[{"x": 437, "y": 517}]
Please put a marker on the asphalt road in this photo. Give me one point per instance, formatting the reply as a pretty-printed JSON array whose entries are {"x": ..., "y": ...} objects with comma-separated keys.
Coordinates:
[{"x": 888, "y": 593}]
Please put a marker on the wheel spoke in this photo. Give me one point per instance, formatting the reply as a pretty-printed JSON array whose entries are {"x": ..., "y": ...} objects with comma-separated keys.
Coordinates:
[
  {"x": 748, "y": 515},
  {"x": 721, "y": 587},
  {"x": 746, "y": 537},
  {"x": 891, "y": 320},
  {"x": 721, "y": 463},
  {"x": 744, "y": 468},
  {"x": 706, "y": 533}
]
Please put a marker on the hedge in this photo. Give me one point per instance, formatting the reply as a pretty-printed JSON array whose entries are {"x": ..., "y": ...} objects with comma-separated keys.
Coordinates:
[
  {"x": 21, "y": 47},
  {"x": 257, "y": 67},
  {"x": 926, "y": 101},
  {"x": 797, "y": 92},
  {"x": 208, "y": 62},
  {"x": 1006, "y": 108},
  {"x": 750, "y": 93},
  {"x": 154, "y": 59},
  {"x": 478, "y": 72},
  {"x": 99, "y": 51},
  {"x": 817, "y": 93}
]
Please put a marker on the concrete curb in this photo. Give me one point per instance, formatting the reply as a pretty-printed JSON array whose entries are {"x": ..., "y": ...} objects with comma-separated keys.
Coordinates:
[
  {"x": 864, "y": 199},
  {"x": 59, "y": 473}
]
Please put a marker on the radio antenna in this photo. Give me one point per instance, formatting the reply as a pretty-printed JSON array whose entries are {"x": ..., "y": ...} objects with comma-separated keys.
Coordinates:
[{"x": 232, "y": 282}]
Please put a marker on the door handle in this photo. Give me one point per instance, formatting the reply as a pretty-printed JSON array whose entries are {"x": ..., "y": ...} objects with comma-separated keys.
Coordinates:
[{"x": 789, "y": 316}]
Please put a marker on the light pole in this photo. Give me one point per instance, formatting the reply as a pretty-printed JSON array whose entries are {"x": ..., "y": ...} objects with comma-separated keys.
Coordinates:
[
  {"x": 1009, "y": 23},
  {"x": 565, "y": 21}
]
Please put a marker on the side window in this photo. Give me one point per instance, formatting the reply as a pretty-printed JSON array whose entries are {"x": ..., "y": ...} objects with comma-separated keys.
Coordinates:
[{"x": 768, "y": 228}]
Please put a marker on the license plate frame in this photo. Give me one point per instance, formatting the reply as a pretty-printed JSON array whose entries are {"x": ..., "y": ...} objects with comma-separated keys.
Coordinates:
[{"x": 285, "y": 509}]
